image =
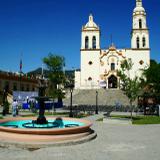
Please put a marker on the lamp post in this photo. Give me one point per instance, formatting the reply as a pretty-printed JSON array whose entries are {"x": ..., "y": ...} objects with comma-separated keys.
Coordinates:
[
  {"x": 96, "y": 111},
  {"x": 71, "y": 86},
  {"x": 4, "y": 101}
]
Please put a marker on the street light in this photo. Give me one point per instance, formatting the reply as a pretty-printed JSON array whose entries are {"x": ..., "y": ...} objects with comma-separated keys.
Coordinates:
[
  {"x": 96, "y": 111},
  {"x": 71, "y": 86},
  {"x": 4, "y": 101}
]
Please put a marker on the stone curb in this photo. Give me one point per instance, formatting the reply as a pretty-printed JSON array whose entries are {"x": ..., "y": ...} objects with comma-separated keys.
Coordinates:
[{"x": 35, "y": 146}]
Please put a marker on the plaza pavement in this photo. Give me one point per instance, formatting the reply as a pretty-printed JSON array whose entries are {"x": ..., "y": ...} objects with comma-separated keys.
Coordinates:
[{"x": 114, "y": 142}]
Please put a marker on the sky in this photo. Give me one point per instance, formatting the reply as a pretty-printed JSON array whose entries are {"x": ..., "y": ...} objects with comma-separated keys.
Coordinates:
[{"x": 32, "y": 29}]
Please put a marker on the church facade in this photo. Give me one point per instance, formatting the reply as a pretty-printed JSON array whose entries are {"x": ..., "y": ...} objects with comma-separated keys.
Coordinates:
[{"x": 99, "y": 66}]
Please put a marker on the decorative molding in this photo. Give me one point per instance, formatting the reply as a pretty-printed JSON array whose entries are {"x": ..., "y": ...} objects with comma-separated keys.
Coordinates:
[
  {"x": 140, "y": 29},
  {"x": 141, "y": 49},
  {"x": 90, "y": 49},
  {"x": 91, "y": 30}
]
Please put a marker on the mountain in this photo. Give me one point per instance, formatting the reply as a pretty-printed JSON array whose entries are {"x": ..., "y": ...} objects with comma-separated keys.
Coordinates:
[
  {"x": 69, "y": 73},
  {"x": 38, "y": 72}
]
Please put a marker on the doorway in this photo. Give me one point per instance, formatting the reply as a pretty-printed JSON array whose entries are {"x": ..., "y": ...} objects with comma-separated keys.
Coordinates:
[{"x": 112, "y": 82}]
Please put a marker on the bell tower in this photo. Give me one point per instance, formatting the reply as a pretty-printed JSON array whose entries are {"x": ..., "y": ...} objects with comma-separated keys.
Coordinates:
[
  {"x": 90, "y": 35},
  {"x": 90, "y": 52},
  {"x": 140, "y": 32}
]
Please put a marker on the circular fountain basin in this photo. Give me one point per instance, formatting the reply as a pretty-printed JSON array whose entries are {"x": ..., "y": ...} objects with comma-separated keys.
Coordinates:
[
  {"x": 19, "y": 132},
  {"x": 55, "y": 126}
]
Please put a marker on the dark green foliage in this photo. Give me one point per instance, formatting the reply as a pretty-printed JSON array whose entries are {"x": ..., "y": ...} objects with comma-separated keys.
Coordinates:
[
  {"x": 1, "y": 97},
  {"x": 130, "y": 86},
  {"x": 69, "y": 77},
  {"x": 6, "y": 107},
  {"x": 55, "y": 64},
  {"x": 152, "y": 77}
]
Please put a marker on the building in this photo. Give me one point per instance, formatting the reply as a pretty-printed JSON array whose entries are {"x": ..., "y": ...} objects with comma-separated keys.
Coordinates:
[
  {"x": 14, "y": 82},
  {"x": 99, "y": 66}
]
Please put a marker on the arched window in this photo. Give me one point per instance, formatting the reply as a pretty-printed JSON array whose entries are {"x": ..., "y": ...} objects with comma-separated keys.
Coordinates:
[
  {"x": 89, "y": 78},
  {"x": 86, "y": 42},
  {"x": 140, "y": 23},
  {"x": 90, "y": 62},
  {"x": 112, "y": 66},
  {"x": 138, "y": 42},
  {"x": 15, "y": 87},
  {"x": 144, "y": 41},
  {"x": 94, "y": 42}
]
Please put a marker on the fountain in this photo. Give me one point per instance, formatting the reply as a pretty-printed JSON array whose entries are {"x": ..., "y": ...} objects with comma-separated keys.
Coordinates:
[{"x": 32, "y": 131}]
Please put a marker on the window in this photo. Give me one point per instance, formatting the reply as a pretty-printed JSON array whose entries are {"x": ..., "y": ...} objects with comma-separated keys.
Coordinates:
[
  {"x": 144, "y": 41},
  {"x": 27, "y": 87},
  {"x": 22, "y": 87},
  {"x": 14, "y": 87},
  {"x": 86, "y": 42},
  {"x": 94, "y": 42},
  {"x": 137, "y": 42},
  {"x": 33, "y": 89},
  {"x": 6, "y": 87},
  {"x": 140, "y": 23},
  {"x": 90, "y": 62},
  {"x": 141, "y": 62},
  {"x": 90, "y": 79},
  {"x": 0, "y": 85},
  {"x": 112, "y": 66}
]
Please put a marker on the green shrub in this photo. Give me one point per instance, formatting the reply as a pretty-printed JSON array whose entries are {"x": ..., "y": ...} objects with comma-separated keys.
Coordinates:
[{"x": 6, "y": 107}]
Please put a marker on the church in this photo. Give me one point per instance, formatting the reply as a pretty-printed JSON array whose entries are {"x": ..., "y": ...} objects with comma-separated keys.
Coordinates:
[{"x": 99, "y": 66}]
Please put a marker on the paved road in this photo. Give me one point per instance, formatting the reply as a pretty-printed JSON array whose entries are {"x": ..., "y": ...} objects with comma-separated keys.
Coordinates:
[{"x": 114, "y": 142}]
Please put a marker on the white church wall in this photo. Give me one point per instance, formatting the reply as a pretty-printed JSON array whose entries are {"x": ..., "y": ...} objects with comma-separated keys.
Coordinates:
[
  {"x": 140, "y": 59},
  {"x": 77, "y": 79},
  {"x": 90, "y": 68}
]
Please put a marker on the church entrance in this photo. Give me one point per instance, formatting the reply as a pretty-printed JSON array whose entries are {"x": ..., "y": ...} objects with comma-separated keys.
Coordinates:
[{"x": 112, "y": 82}]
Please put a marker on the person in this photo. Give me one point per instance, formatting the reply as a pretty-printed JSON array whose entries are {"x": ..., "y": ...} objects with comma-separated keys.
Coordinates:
[
  {"x": 14, "y": 108},
  {"x": 117, "y": 105}
]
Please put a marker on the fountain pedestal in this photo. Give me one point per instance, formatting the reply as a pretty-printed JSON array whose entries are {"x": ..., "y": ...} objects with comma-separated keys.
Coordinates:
[
  {"x": 41, "y": 100},
  {"x": 41, "y": 118}
]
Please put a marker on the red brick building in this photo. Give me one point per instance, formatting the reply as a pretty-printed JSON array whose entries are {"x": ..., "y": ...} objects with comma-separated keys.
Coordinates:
[{"x": 17, "y": 82}]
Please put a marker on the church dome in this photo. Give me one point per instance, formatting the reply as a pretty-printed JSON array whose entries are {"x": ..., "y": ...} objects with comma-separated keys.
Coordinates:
[
  {"x": 91, "y": 24},
  {"x": 139, "y": 9}
]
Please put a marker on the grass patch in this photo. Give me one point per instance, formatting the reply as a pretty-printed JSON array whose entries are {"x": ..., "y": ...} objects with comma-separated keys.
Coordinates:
[
  {"x": 47, "y": 114},
  {"x": 100, "y": 120},
  {"x": 120, "y": 116},
  {"x": 1, "y": 117},
  {"x": 140, "y": 120},
  {"x": 29, "y": 115},
  {"x": 56, "y": 113},
  {"x": 137, "y": 120},
  {"x": 63, "y": 114},
  {"x": 146, "y": 120},
  {"x": 81, "y": 115}
]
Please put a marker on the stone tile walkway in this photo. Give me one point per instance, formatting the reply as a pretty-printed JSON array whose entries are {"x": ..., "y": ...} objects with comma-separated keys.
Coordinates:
[{"x": 114, "y": 142}]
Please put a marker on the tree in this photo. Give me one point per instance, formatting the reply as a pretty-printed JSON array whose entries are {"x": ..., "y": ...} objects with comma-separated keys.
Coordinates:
[
  {"x": 56, "y": 75},
  {"x": 130, "y": 86},
  {"x": 152, "y": 77}
]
